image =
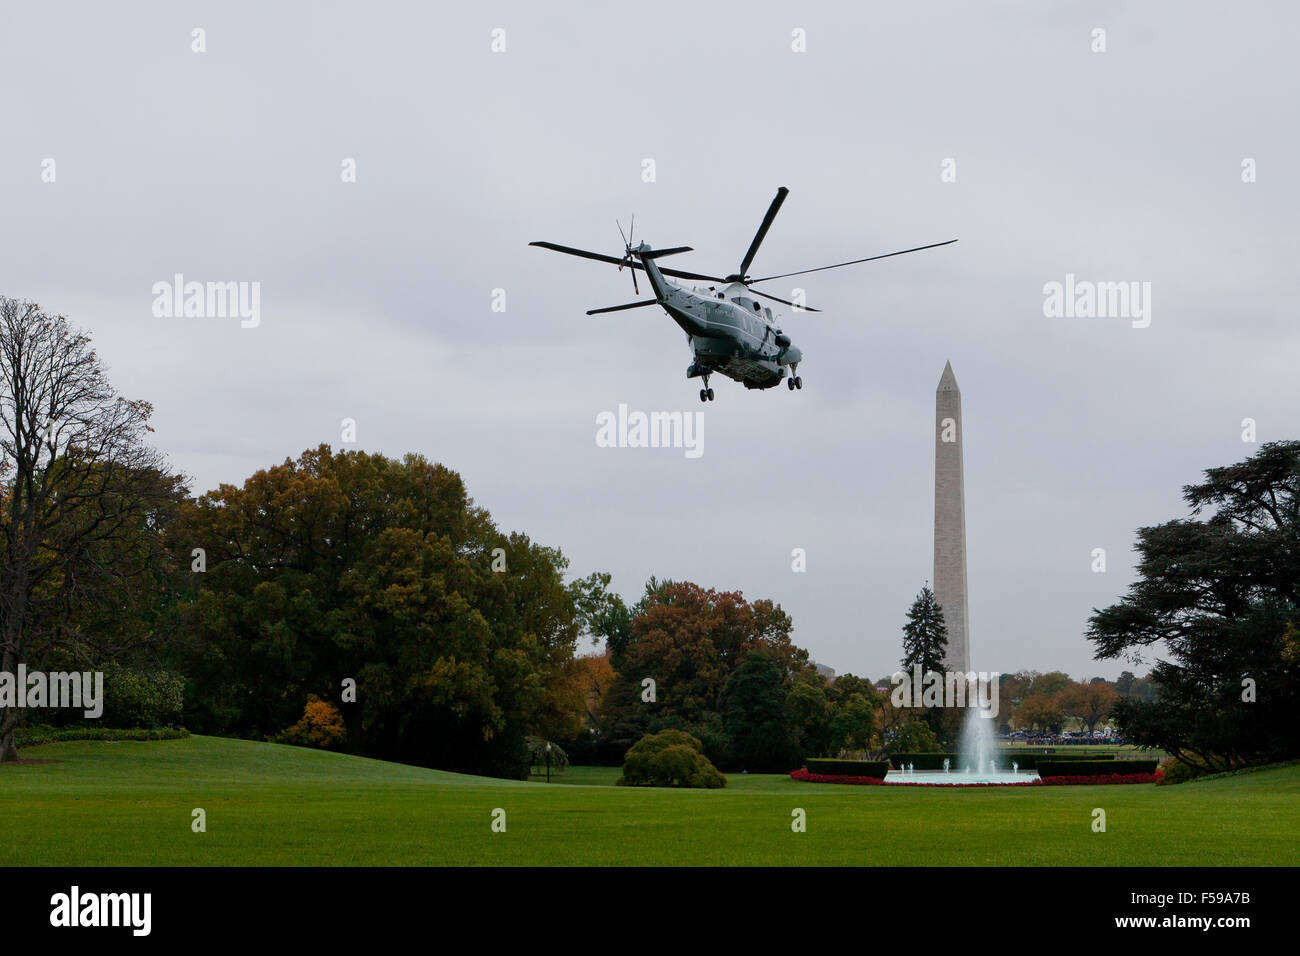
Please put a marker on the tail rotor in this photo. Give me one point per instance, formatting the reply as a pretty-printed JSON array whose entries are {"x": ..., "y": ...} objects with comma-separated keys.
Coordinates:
[{"x": 627, "y": 251}]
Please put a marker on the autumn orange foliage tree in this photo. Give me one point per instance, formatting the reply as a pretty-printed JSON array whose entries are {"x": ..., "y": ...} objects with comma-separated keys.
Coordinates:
[{"x": 321, "y": 726}]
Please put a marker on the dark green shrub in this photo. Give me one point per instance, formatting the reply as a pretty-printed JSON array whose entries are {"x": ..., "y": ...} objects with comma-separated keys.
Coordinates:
[
  {"x": 669, "y": 758},
  {"x": 138, "y": 698},
  {"x": 848, "y": 768}
]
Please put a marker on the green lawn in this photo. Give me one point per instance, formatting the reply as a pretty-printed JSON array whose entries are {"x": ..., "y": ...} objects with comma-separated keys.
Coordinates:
[{"x": 130, "y": 803}]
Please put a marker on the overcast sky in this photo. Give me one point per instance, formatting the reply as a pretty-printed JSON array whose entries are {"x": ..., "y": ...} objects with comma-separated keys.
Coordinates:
[{"x": 376, "y": 296}]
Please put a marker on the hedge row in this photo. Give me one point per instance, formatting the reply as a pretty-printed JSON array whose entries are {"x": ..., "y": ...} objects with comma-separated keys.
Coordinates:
[
  {"x": 922, "y": 761},
  {"x": 848, "y": 768},
  {"x": 42, "y": 734},
  {"x": 1031, "y": 761},
  {"x": 1095, "y": 768},
  {"x": 1026, "y": 760}
]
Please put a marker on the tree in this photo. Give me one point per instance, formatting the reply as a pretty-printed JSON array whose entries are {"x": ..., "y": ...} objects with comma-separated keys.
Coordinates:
[
  {"x": 911, "y": 735},
  {"x": 853, "y": 722},
  {"x": 1012, "y": 689},
  {"x": 595, "y": 676},
  {"x": 1219, "y": 590},
  {"x": 353, "y": 570},
  {"x": 1090, "y": 703},
  {"x": 755, "y": 716},
  {"x": 1053, "y": 682},
  {"x": 1044, "y": 712},
  {"x": 84, "y": 503},
  {"x": 601, "y": 612},
  {"x": 321, "y": 726},
  {"x": 687, "y": 640},
  {"x": 810, "y": 713},
  {"x": 925, "y": 644},
  {"x": 925, "y": 635},
  {"x": 1142, "y": 688}
]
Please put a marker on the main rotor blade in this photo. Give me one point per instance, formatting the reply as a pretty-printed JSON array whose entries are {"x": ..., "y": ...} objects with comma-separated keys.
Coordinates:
[
  {"x": 569, "y": 250},
  {"x": 620, "y": 308},
  {"x": 853, "y": 262},
  {"x": 612, "y": 260},
  {"x": 777, "y": 298},
  {"x": 781, "y": 193}
]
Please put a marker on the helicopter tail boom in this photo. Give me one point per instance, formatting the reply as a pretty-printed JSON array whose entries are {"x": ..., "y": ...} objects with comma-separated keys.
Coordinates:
[{"x": 657, "y": 282}]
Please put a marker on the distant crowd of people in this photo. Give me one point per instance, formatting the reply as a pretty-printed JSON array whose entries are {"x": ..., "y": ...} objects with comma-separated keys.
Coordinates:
[{"x": 1062, "y": 740}]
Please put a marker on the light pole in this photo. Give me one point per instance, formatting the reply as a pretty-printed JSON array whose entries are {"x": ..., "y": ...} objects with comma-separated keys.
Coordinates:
[{"x": 548, "y": 761}]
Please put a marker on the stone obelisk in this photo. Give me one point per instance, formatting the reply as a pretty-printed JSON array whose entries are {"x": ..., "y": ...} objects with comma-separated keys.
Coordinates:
[{"x": 950, "y": 521}]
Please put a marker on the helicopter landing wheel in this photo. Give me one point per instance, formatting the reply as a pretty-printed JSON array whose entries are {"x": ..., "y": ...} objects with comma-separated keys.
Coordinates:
[
  {"x": 789, "y": 383},
  {"x": 798, "y": 381},
  {"x": 704, "y": 394},
  {"x": 709, "y": 392}
]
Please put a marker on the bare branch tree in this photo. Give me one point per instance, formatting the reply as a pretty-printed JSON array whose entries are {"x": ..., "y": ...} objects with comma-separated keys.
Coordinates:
[{"x": 83, "y": 495}]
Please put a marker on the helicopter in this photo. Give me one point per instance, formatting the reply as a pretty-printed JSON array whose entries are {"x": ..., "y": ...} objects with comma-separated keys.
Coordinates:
[{"x": 729, "y": 331}]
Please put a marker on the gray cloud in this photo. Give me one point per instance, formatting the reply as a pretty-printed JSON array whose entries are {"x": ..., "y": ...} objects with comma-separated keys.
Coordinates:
[{"x": 376, "y": 295}]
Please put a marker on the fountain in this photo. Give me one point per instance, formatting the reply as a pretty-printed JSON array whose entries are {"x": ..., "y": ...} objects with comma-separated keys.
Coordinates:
[{"x": 977, "y": 761}]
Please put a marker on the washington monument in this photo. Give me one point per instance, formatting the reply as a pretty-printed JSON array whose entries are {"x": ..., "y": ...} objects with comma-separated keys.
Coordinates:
[{"x": 950, "y": 521}]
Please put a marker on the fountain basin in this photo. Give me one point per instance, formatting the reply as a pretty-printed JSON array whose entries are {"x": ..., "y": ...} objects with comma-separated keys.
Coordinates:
[{"x": 959, "y": 779}]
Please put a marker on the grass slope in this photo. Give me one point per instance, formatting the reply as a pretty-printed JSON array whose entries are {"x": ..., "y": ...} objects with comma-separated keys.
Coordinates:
[{"x": 130, "y": 803}]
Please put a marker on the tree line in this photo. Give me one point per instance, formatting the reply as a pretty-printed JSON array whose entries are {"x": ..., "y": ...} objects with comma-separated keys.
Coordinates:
[{"x": 352, "y": 600}]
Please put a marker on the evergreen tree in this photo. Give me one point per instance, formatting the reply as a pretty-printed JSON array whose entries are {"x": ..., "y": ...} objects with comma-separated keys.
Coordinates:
[
  {"x": 925, "y": 642},
  {"x": 925, "y": 635},
  {"x": 1218, "y": 593}
]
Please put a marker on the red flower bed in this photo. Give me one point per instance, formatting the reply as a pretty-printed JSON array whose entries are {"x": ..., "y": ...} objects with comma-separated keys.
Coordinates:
[
  {"x": 804, "y": 776},
  {"x": 1109, "y": 778}
]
